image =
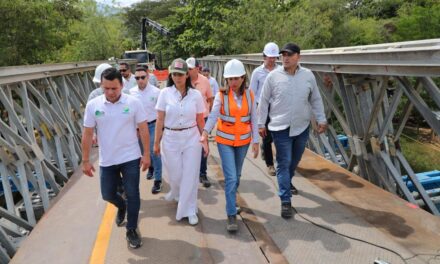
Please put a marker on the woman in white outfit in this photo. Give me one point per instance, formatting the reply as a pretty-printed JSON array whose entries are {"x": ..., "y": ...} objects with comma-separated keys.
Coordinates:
[{"x": 179, "y": 125}]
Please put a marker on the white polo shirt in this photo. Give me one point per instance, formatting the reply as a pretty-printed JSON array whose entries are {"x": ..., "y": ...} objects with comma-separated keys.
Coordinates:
[
  {"x": 148, "y": 98},
  {"x": 116, "y": 124},
  {"x": 128, "y": 84},
  {"x": 180, "y": 113}
]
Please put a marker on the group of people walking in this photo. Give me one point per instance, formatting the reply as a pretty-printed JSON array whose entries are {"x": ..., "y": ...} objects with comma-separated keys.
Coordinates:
[{"x": 169, "y": 128}]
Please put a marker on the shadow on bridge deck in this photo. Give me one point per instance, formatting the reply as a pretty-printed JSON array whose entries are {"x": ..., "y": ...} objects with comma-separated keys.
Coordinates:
[{"x": 329, "y": 197}]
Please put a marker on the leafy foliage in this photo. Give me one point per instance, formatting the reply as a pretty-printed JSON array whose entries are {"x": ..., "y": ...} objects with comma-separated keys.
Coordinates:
[
  {"x": 33, "y": 31},
  {"x": 38, "y": 31}
]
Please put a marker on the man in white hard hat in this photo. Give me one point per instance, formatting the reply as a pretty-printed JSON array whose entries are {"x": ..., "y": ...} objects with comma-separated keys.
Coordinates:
[
  {"x": 270, "y": 55},
  {"x": 293, "y": 96},
  {"x": 97, "y": 80},
  {"x": 201, "y": 83}
]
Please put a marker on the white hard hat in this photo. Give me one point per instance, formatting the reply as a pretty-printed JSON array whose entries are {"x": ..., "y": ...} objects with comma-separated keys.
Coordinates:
[
  {"x": 271, "y": 50},
  {"x": 98, "y": 71},
  {"x": 234, "y": 68},
  {"x": 191, "y": 62}
]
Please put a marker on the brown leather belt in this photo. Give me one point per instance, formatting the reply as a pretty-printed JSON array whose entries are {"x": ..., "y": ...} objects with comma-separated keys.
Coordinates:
[{"x": 179, "y": 129}]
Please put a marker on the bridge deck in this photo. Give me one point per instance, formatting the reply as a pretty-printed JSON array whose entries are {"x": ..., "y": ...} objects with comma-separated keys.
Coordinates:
[{"x": 80, "y": 224}]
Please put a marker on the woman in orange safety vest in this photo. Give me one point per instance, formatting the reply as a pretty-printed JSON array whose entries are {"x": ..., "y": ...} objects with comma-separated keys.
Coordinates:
[{"x": 234, "y": 111}]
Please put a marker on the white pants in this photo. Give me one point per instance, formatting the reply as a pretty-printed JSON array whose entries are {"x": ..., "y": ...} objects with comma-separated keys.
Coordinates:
[{"x": 181, "y": 154}]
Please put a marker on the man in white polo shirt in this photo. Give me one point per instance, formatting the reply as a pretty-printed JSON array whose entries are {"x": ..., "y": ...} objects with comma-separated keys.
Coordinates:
[
  {"x": 117, "y": 117},
  {"x": 128, "y": 81},
  {"x": 148, "y": 95}
]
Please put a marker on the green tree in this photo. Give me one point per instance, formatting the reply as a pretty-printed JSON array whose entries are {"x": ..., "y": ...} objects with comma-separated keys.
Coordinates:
[
  {"x": 95, "y": 37},
  {"x": 32, "y": 31},
  {"x": 418, "y": 22}
]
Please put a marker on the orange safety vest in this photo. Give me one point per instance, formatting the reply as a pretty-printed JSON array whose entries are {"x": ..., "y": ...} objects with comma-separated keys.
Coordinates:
[{"x": 234, "y": 124}]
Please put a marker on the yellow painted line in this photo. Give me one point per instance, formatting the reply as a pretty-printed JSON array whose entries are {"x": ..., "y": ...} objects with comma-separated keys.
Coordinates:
[{"x": 103, "y": 238}]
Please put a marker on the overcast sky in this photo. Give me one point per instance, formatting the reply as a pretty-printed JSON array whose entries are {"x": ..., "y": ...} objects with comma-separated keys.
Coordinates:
[{"x": 121, "y": 3}]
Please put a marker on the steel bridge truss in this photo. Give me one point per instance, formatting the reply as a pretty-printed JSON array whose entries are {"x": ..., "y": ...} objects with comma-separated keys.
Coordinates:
[
  {"x": 41, "y": 109},
  {"x": 362, "y": 88}
]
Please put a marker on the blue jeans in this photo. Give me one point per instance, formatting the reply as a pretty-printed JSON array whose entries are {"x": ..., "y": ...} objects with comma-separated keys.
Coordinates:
[
  {"x": 232, "y": 163},
  {"x": 110, "y": 178},
  {"x": 204, "y": 161},
  {"x": 289, "y": 152},
  {"x": 156, "y": 161}
]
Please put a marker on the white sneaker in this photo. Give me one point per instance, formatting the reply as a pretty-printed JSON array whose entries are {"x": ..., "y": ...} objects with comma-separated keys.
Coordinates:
[
  {"x": 171, "y": 197},
  {"x": 193, "y": 220},
  {"x": 168, "y": 196}
]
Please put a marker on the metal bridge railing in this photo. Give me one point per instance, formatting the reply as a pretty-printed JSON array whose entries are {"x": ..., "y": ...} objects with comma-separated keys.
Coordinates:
[
  {"x": 362, "y": 87},
  {"x": 41, "y": 111}
]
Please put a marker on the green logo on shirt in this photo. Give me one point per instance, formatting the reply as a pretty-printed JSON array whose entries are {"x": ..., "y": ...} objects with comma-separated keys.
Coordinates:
[
  {"x": 126, "y": 110},
  {"x": 99, "y": 113}
]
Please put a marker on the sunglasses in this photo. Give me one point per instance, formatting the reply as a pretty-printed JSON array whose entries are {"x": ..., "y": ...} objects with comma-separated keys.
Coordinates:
[
  {"x": 140, "y": 77},
  {"x": 122, "y": 70},
  {"x": 234, "y": 78},
  {"x": 177, "y": 74}
]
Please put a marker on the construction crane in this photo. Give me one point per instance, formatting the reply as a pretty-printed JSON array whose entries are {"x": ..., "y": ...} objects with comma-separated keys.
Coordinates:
[{"x": 143, "y": 55}]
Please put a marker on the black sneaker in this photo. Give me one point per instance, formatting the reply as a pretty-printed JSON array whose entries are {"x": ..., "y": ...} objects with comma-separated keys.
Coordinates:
[
  {"x": 157, "y": 187},
  {"x": 293, "y": 190},
  {"x": 134, "y": 241},
  {"x": 286, "y": 210},
  {"x": 120, "y": 216},
  {"x": 232, "y": 225},
  {"x": 205, "y": 181},
  {"x": 150, "y": 173}
]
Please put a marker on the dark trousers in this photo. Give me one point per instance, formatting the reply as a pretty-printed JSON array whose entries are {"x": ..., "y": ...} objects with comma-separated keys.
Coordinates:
[
  {"x": 110, "y": 179},
  {"x": 204, "y": 161},
  {"x": 266, "y": 146},
  {"x": 289, "y": 152}
]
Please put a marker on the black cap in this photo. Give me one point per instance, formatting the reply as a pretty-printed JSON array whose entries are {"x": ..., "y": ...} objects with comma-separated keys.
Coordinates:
[
  {"x": 205, "y": 69},
  {"x": 290, "y": 48}
]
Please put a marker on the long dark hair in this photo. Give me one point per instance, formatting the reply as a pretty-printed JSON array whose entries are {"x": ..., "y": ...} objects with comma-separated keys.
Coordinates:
[
  {"x": 188, "y": 84},
  {"x": 240, "y": 90}
]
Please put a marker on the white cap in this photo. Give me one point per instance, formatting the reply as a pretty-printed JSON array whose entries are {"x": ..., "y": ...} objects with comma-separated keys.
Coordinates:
[
  {"x": 271, "y": 50},
  {"x": 191, "y": 63},
  {"x": 98, "y": 71},
  {"x": 234, "y": 68}
]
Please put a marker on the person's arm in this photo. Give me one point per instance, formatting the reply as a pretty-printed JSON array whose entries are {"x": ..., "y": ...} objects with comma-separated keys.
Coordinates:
[
  {"x": 209, "y": 95},
  {"x": 144, "y": 135},
  {"x": 213, "y": 116},
  {"x": 86, "y": 144},
  {"x": 201, "y": 124},
  {"x": 254, "y": 127},
  {"x": 254, "y": 85},
  {"x": 318, "y": 107},
  {"x": 159, "y": 131},
  {"x": 263, "y": 105}
]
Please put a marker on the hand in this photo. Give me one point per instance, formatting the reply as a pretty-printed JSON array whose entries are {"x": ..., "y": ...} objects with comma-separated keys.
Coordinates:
[
  {"x": 94, "y": 139},
  {"x": 322, "y": 128},
  {"x": 204, "y": 141},
  {"x": 262, "y": 131},
  {"x": 255, "y": 149},
  {"x": 88, "y": 168},
  {"x": 145, "y": 162},
  {"x": 156, "y": 149},
  {"x": 204, "y": 136}
]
